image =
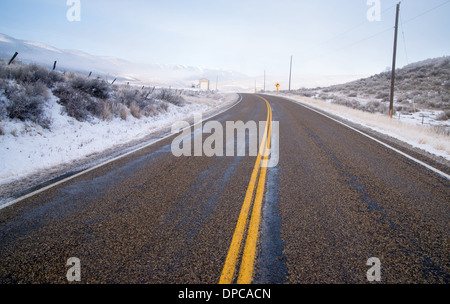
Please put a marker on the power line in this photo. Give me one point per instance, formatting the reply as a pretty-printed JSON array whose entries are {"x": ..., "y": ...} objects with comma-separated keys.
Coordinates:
[
  {"x": 378, "y": 33},
  {"x": 404, "y": 40},
  {"x": 352, "y": 44},
  {"x": 426, "y": 12},
  {"x": 414, "y": 18},
  {"x": 365, "y": 22},
  {"x": 356, "y": 26},
  {"x": 365, "y": 39},
  {"x": 350, "y": 30}
]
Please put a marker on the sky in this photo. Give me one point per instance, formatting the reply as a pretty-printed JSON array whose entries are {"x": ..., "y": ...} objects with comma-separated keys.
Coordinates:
[{"x": 324, "y": 37}]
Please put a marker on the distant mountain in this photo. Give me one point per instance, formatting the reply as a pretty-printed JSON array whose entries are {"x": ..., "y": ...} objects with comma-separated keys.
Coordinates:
[{"x": 111, "y": 67}]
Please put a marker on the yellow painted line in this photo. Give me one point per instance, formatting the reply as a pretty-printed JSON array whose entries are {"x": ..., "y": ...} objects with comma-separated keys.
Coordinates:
[
  {"x": 233, "y": 252},
  {"x": 248, "y": 258},
  {"x": 229, "y": 268}
]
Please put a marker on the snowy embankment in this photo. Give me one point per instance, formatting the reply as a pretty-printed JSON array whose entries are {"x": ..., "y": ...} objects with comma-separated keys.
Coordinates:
[
  {"x": 430, "y": 138},
  {"x": 28, "y": 149}
]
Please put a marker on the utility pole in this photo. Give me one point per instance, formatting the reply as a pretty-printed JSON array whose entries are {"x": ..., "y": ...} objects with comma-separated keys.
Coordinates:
[
  {"x": 290, "y": 75},
  {"x": 264, "y": 80},
  {"x": 391, "y": 100}
]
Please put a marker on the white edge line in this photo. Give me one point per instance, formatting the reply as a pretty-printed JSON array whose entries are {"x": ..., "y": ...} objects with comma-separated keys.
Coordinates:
[
  {"x": 443, "y": 174},
  {"x": 15, "y": 201}
]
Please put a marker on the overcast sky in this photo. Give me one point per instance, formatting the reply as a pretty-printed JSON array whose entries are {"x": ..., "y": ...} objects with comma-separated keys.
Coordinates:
[{"x": 325, "y": 37}]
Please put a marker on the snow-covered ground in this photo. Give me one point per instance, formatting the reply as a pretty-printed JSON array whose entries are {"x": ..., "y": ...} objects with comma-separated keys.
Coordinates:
[
  {"x": 26, "y": 148},
  {"x": 428, "y": 136}
]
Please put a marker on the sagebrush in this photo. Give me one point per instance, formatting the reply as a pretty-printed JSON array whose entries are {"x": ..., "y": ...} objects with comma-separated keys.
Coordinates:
[{"x": 26, "y": 88}]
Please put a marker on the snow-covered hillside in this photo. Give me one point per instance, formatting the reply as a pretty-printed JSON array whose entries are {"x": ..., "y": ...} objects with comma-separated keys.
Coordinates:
[
  {"x": 109, "y": 68},
  {"x": 419, "y": 87}
]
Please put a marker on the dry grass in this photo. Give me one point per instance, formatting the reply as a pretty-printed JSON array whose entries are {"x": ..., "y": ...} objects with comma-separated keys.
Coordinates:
[
  {"x": 123, "y": 112},
  {"x": 135, "y": 111}
]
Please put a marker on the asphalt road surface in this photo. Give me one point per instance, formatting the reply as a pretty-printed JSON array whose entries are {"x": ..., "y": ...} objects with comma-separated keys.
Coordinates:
[{"x": 335, "y": 200}]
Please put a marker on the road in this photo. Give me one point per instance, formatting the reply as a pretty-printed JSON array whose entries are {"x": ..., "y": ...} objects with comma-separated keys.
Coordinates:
[{"x": 335, "y": 199}]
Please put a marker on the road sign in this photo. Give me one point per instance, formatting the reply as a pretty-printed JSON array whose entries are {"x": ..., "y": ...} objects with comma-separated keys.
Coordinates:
[{"x": 278, "y": 86}]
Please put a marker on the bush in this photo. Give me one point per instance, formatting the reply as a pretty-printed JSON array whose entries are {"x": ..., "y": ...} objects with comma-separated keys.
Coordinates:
[
  {"x": 134, "y": 110},
  {"x": 30, "y": 74},
  {"x": 95, "y": 87},
  {"x": 107, "y": 113},
  {"x": 123, "y": 112},
  {"x": 27, "y": 103},
  {"x": 25, "y": 89},
  {"x": 149, "y": 110},
  {"x": 126, "y": 96},
  {"x": 345, "y": 102},
  {"x": 443, "y": 116},
  {"x": 76, "y": 103},
  {"x": 383, "y": 95},
  {"x": 372, "y": 106},
  {"x": 170, "y": 96}
]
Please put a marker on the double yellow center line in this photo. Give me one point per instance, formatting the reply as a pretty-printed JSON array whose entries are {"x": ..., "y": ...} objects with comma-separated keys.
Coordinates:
[{"x": 249, "y": 251}]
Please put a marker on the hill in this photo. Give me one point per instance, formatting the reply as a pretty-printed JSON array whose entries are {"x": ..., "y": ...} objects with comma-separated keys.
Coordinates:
[
  {"x": 420, "y": 86},
  {"x": 109, "y": 68}
]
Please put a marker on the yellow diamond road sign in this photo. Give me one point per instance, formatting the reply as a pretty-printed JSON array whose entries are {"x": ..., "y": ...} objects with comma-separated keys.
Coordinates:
[{"x": 278, "y": 86}]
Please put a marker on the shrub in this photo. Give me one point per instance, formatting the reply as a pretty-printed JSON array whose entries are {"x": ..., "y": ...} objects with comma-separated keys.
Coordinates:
[
  {"x": 170, "y": 96},
  {"x": 80, "y": 105},
  {"x": 107, "y": 113},
  {"x": 345, "y": 102},
  {"x": 126, "y": 96},
  {"x": 383, "y": 95},
  {"x": 442, "y": 116},
  {"x": 372, "y": 106},
  {"x": 162, "y": 107},
  {"x": 149, "y": 110},
  {"x": 27, "y": 103},
  {"x": 75, "y": 102},
  {"x": 134, "y": 110},
  {"x": 123, "y": 112},
  {"x": 95, "y": 87},
  {"x": 31, "y": 73}
]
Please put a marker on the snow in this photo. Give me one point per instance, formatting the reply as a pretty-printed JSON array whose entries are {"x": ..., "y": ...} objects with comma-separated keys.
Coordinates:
[
  {"x": 423, "y": 117},
  {"x": 43, "y": 46},
  {"x": 26, "y": 148},
  {"x": 407, "y": 128},
  {"x": 3, "y": 38}
]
